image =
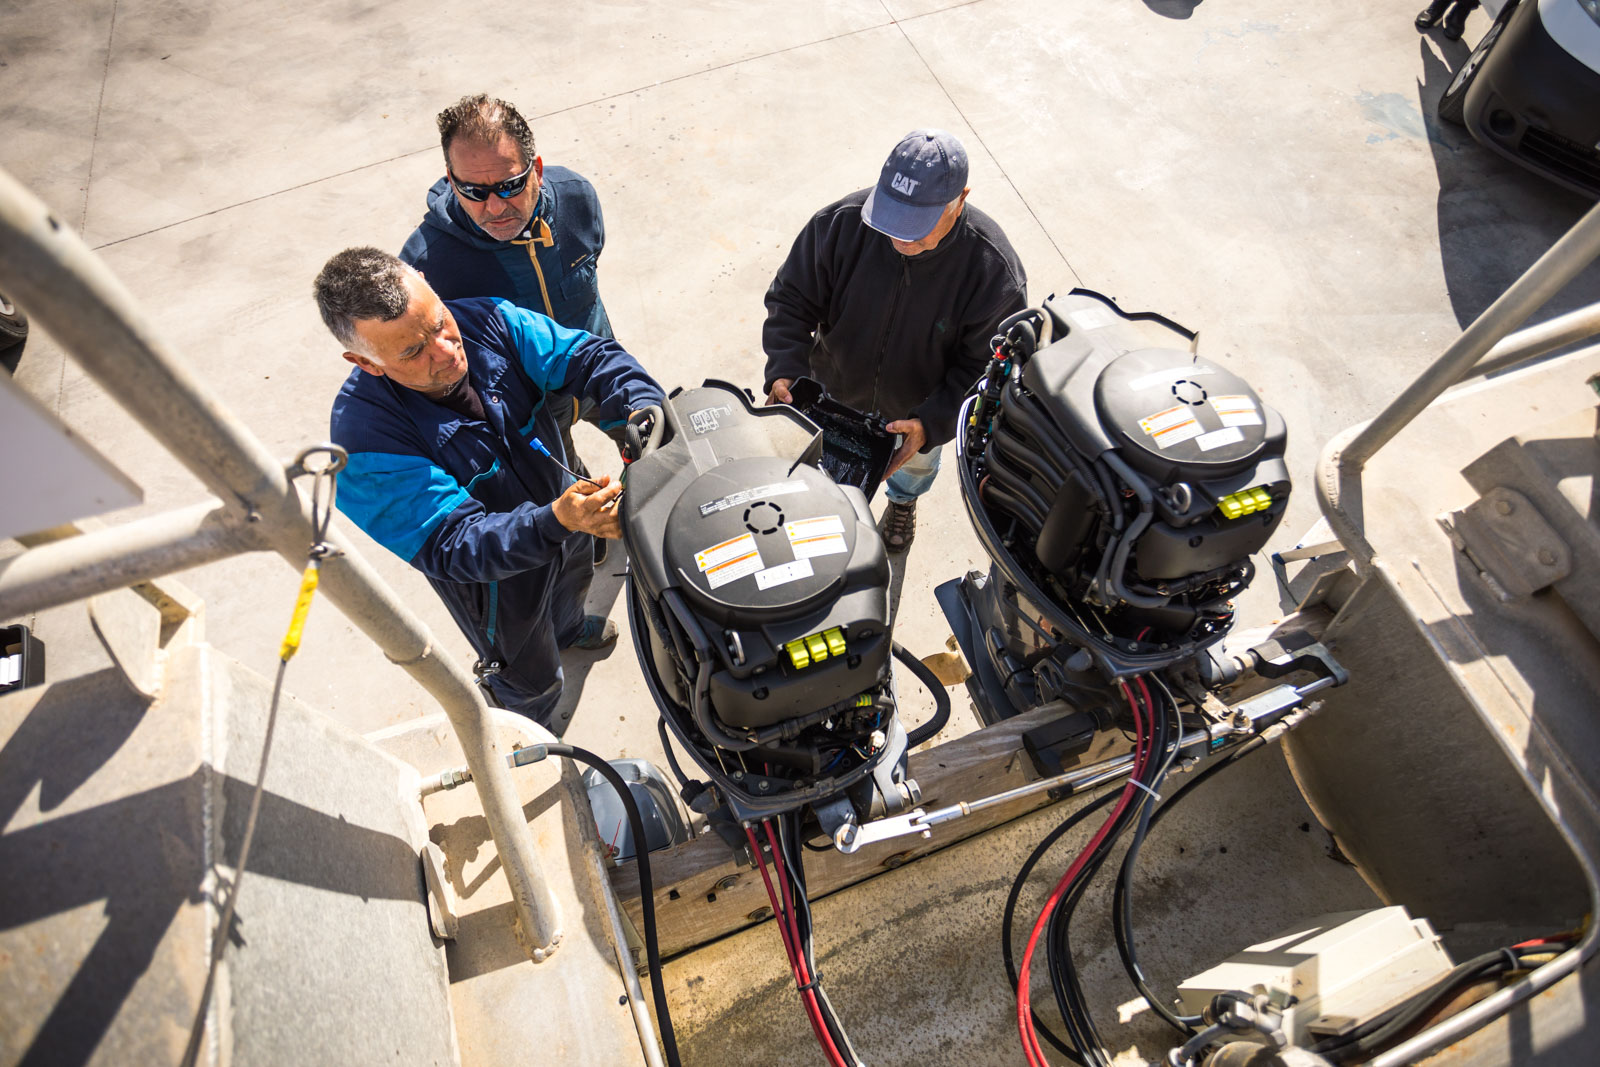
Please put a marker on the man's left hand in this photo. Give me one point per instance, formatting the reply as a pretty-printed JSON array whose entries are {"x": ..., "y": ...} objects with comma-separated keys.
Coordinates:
[{"x": 915, "y": 438}]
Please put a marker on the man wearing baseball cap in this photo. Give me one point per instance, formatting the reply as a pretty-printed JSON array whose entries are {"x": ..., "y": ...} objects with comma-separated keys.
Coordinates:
[{"x": 889, "y": 298}]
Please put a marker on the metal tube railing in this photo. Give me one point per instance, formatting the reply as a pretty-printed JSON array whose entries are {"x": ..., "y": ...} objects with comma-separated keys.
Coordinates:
[
  {"x": 48, "y": 270},
  {"x": 1535, "y": 341},
  {"x": 1576, "y": 249},
  {"x": 61, "y": 572}
]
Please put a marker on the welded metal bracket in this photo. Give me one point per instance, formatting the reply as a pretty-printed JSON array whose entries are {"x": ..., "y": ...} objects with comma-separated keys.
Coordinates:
[{"x": 1509, "y": 542}]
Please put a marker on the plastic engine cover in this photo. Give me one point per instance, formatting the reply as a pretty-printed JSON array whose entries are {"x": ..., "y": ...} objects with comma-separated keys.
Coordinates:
[{"x": 766, "y": 550}]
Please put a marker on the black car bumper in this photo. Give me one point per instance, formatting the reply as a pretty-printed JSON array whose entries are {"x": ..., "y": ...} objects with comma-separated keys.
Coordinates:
[{"x": 1537, "y": 104}]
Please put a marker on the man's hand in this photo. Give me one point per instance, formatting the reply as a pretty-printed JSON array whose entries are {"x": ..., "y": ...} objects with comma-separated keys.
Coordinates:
[
  {"x": 779, "y": 394},
  {"x": 915, "y": 438},
  {"x": 588, "y": 509}
]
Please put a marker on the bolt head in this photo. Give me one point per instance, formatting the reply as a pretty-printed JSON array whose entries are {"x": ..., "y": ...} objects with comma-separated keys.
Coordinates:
[
  {"x": 1547, "y": 557},
  {"x": 1504, "y": 507}
]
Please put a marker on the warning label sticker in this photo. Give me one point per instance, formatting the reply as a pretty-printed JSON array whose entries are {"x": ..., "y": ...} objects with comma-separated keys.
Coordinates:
[
  {"x": 732, "y": 559},
  {"x": 1217, "y": 438},
  {"x": 821, "y": 536},
  {"x": 1172, "y": 426},
  {"x": 787, "y": 572},
  {"x": 744, "y": 496},
  {"x": 1236, "y": 410}
]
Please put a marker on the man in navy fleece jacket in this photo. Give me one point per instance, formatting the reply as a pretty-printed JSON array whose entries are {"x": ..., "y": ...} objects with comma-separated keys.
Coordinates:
[{"x": 456, "y": 463}]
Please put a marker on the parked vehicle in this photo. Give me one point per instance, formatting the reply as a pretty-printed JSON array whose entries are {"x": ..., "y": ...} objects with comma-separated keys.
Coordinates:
[{"x": 1530, "y": 90}]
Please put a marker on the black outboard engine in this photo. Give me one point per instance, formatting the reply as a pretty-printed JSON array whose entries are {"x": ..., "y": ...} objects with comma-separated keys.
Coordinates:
[
  {"x": 759, "y": 602},
  {"x": 1120, "y": 484}
]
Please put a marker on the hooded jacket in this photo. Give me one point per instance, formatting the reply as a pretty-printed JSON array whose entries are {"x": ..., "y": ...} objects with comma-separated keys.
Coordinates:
[
  {"x": 904, "y": 336},
  {"x": 550, "y": 268},
  {"x": 467, "y": 502}
]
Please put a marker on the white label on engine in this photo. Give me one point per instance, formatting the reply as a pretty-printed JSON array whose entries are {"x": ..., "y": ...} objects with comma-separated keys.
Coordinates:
[
  {"x": 1236, "y": 410},
  {"x": 744, "y": 496},
  {"x": 821, "y": 536},
  {"x": 1217, "y": 438},
  {"x": 706, "y": 420},
  {"x": 732, "y": 559},
  {"x": 1171, "y": 427},
  {"x": 787, "y": 572}
]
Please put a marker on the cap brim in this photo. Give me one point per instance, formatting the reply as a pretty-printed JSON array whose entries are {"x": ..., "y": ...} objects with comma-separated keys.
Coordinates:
[{"x": 903, "y": 222}]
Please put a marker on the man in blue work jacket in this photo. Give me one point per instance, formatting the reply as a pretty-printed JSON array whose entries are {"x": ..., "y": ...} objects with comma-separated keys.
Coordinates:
[
  {"x": 500, "y": 223},
  {"x": 456, "y": 464}
]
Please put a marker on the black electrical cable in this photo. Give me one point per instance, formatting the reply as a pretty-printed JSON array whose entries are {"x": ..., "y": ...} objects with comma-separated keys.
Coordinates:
[
  {"x": 1008, "y": 918},
  {"x": 1372, "y": 1035},
  {"x": 1121, "y": 901},
  {"x": 647, "y": 904},
  {"x": 788, "y": 833},
  {"x": 1065, "y": 984}
]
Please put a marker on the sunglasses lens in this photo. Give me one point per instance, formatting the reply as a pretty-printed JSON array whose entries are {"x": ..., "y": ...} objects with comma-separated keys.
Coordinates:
[{"x": 506, "y": 190}]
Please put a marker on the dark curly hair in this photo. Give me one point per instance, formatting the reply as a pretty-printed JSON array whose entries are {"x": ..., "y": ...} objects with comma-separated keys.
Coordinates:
[{"x": 484, "y": 119}]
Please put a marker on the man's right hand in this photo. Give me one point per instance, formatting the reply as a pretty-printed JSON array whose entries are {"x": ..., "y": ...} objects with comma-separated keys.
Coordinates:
[
  {"x": 588, "y": 509},
  {"x": 779, "y": 393}
]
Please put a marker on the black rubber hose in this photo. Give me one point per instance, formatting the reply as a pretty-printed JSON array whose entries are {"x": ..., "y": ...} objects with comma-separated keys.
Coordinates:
[
  {"x": 941, "y": 699},
  {"x": 666, "y": 746},
  {"x": 647, "y": 900}
]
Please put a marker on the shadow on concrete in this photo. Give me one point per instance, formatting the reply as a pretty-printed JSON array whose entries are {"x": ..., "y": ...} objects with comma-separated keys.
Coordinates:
[
  {"x": 605, "y": 592},
  {"x": 142, "y": 857},
  {"x": 1495, "y": 218},
  {"x": 1173, "y": 9}
]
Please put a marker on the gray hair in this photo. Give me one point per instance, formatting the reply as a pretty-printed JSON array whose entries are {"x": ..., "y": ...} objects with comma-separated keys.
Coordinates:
[
  {"x": 484, "y": 119},
  {"x": 360, "y": 283}
]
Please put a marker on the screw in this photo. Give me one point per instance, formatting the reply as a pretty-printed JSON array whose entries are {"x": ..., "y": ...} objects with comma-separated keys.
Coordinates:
[
  {"x": 728, "y": 882},
  {"x": 763, "y": 785},
  {"x": 1547, "y": 557},
  {"x": 760, "y": 913},
  {"x": 1504, "y": 507}
]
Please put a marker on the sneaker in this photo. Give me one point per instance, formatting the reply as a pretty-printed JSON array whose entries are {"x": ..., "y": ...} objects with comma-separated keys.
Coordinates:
[
  {"x": 601, "y": 547},
  {"x": 899, "y": 526},
  {"x": 597, "y": 632},
  {"x": 1429, "y": 16}
]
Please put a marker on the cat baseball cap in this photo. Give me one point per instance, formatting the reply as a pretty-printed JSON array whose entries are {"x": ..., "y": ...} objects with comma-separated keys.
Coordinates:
[{"x": 926, "y": 171}]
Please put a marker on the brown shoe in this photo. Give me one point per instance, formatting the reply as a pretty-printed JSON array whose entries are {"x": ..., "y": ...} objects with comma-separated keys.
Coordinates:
[{"x": 899, "y": 526}]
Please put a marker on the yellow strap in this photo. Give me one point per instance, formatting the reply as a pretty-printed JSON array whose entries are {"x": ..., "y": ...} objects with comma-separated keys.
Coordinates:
[{"x": 302, "y": 605}]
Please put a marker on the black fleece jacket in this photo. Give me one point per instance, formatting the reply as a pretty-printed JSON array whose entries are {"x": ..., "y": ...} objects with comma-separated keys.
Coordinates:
[{"x": 903, "y": 336}]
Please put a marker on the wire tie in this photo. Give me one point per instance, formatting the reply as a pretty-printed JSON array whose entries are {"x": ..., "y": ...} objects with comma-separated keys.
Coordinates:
[
  {"x": 1147, "y": 789},
  {"x": 816, "y": 980}
]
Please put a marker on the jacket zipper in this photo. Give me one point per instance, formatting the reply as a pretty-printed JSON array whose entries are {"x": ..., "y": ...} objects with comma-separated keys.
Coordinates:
[
  {"x": 541, "y": 229},
  {"x": 888, "y": 324}
]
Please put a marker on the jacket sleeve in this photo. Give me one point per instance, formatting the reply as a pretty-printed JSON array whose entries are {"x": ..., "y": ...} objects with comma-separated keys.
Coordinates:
[
  {"x": 1004, "y": 292},
  {"x": 797, "y": 303},
  {"x": 575, "y": 363},
  {"x": 423, "y": 515}
]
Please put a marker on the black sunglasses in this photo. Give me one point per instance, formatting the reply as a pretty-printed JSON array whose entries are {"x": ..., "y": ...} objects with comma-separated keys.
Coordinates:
[{"x": 504, "y": 190}]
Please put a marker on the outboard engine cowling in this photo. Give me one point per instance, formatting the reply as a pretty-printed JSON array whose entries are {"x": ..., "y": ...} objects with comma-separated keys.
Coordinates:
[
  {"x": 759, "y": 599},
  {"x": 1120, "y": 484}
]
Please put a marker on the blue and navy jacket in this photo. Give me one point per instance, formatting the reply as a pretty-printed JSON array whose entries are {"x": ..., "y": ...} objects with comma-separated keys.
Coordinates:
[
  {"x": 467, "y": 502},
  {"x": 549, "y": 269}
]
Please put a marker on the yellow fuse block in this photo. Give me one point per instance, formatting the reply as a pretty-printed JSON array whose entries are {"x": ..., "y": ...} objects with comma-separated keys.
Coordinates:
[
  {"x": 1262, "y": 498},
  {"x": 798, "y": 654},
  {"x": 835, "y": 639},
  {"x": 817, "y": 647},
  {"x": 1231, "y": 506}
]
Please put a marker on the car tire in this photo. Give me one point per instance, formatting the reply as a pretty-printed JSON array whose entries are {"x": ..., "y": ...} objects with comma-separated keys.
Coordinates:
[
  {"x": 13, "y": 324},
  {"x": 1453, "y": 104}
]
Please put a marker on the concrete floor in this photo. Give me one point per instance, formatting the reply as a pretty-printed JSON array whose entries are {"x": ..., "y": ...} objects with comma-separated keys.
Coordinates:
[{"x": 1266, "y": 172}]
